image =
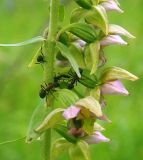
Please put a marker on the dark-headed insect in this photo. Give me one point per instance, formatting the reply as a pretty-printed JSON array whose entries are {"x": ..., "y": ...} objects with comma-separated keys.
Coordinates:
[
  {"x": 41, "y": 58},
  {"x": 72, "y": 78},
  {"x": 47, "y": 89}
]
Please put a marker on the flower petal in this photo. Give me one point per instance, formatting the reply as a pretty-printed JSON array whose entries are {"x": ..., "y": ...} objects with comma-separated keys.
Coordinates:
[
  {"x": 71, "y": 112},
  {"x": 97, "y": 137},
  {"x": 114, "y": 87},
  {"x": 111, "y": 40},
  {"x": 111, "y": 5}
]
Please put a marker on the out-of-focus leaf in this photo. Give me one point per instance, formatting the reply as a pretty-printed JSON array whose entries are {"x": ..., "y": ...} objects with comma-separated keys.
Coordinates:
[
  {"x": 51, "y": 120},
  {"x": 66, "y": 97},
  {"x": 59, "y": 147},
  {"x": 91, "y": 104},
  {"x": 36, "y": 119},
  {"x": 98, "y": 17},
  {"x": 114, "y": 73},
  {"x": 79, "y": 151},
  {"x": 27, "y": 42},
  {"x": 66, "y": 53},
  {"x": 91, "y": 56}
]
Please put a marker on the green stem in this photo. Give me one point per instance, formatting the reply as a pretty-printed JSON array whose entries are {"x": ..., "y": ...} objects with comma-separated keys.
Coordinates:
[{"x": 49, "y": 54}]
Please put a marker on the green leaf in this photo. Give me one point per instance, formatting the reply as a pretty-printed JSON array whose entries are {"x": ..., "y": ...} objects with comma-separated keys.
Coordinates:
[
  {"x": 91, "y": 56},
  {"x": 36, "y": 119},
  {"x": 66, "y": 53},
  {"x": 66, "y": 97},
  {"x": 88, "y": 80},
  {"x": 30, "y": 41},
  {"x": 59, "y": 147},
  {"x": 98, "y": 17},
  {"x": 61, "y": 13},
  {"x": 78, "y": 55},
  {"x": 34, "y": 59},
  {"x": 91, "y": 104},
  {"x": 114, "y": 73},
  {"x": 79, "y": 151},
  {"x": 51, "y": 120},
  {"x": 82, "y": 30},
  {"x": 63, "y": 131},
  {"x": 77, "y": 14},
  {"x": 84, "y": 3}
]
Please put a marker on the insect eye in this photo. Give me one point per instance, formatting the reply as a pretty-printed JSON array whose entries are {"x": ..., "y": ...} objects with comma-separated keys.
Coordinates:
[{"x": 42, "y": 93}]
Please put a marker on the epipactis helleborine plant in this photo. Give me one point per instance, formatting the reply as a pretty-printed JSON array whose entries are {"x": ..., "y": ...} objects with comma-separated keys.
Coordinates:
[{"x": 74, "y": 87}]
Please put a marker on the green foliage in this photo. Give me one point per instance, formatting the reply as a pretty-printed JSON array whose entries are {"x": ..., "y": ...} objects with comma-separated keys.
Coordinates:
[
  {"x": 79, "y": 151},
  {"x": 53, "y": 118},
  {"x": 66, "y": 53}
]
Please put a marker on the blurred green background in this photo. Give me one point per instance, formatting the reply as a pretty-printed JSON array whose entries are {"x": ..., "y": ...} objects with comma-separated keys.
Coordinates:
[{"x": 19, "y": 86}]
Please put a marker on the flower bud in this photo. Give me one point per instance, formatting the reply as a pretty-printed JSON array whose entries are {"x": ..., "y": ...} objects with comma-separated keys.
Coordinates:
[
  {"x": 111, "y": 40},
  {"x": 114, "y": 87},
  {"x": 97, "y": 137},
  {"x": 111, "y": 5}
]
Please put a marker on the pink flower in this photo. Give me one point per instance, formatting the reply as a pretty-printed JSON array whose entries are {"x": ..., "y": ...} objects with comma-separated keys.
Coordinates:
[
  {"x": 111, "y": 5},
  {"x": 111, "y": 40},
  {"x": 71, "y": 112},
  {"x": 97, "y": 137},
  {"x": 114, "y": 87}
]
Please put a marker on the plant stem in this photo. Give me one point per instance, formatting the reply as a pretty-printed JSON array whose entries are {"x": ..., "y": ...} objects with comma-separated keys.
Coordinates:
[{"x": 49, "y": 55}]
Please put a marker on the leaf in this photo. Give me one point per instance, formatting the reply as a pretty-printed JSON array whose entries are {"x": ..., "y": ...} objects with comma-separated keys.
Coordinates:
[
  {"x": 82, "y": 30},
  {"x": 92, "y": 56},
  {"x": 66, "y": 53},
  {"x": 36, "y": 119},
  {"x": 66, "y": 97},
  {"x": 79, "y": 151},
  {"x": 30, "y": 41},
  {"x": 116, "y": 29},
  {"x": 59, "y": 147},
  {"x": 98, "y": 17},
  {"x": 78, "y": 55},
  {"x": 91, "y": 104},
  {"x": 84, "y": 3},
  {"x": 34, "y": 59},
  {"x": 51, "y": 120},
  {"x": 114, "y": 73},
  {"x": 61, "y": 13},
  {"x": 78, "y": 14},
  {"x": 63, "y": 131}
]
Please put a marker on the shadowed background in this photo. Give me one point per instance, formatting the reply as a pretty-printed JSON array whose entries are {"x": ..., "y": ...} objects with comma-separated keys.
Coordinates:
[{"x": 19, "y": 86}]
